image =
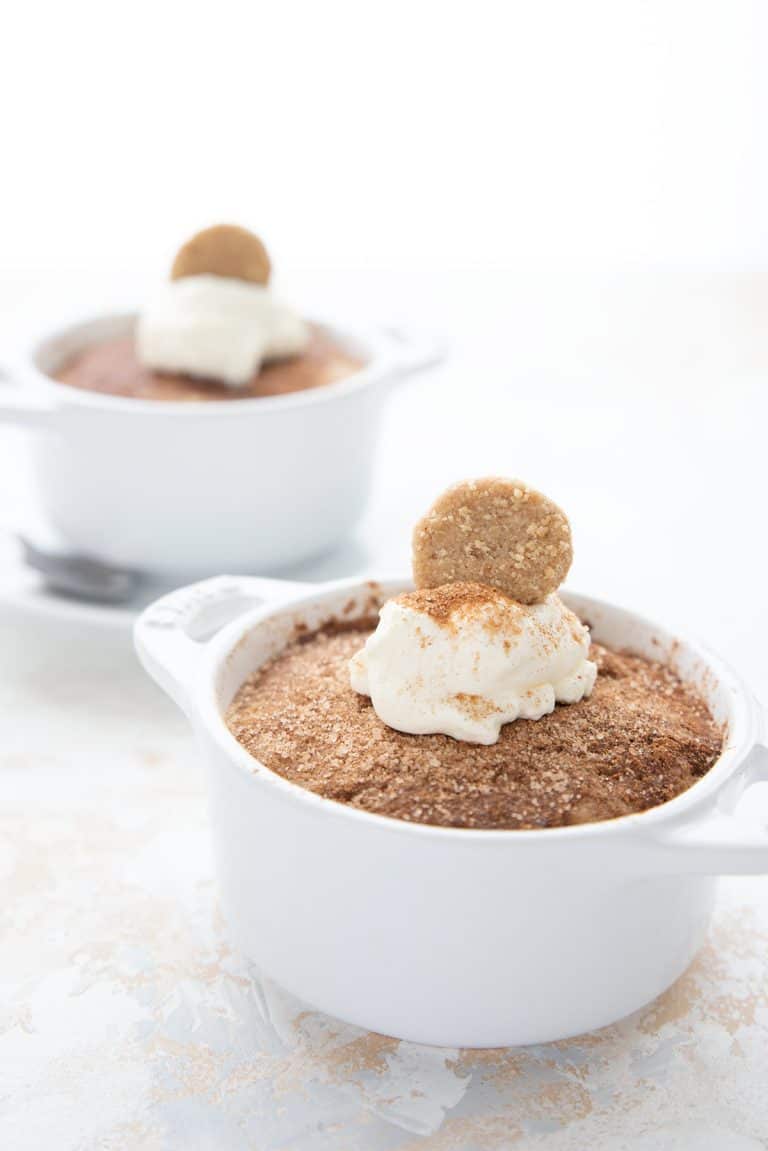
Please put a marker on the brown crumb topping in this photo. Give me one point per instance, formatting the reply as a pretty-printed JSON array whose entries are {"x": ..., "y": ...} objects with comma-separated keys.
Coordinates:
[
  {"x": 450, "y": 604},
  {"x": 640, "y": 739},
  {"x": 113, "y": 368}
]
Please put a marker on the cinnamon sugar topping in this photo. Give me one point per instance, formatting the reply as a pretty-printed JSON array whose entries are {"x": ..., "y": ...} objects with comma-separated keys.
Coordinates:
[
  {"x": 641, "y": 738},
  {"x": 453, "y": 603}
]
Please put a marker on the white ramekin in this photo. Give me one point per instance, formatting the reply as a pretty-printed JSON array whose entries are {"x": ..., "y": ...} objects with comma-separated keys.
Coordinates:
[
  {"x": 457, "y": 937},
  {"x": 250, "y": 484}
]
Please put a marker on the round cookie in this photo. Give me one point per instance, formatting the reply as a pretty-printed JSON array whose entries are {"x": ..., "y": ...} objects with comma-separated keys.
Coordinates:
[
  {"x": 223, "y": 250},
  {"x": 496, "y": 532}
]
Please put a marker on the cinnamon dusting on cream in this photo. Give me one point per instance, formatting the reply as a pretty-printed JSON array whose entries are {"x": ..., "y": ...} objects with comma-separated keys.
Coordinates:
[{"x": 452, "y": 603}]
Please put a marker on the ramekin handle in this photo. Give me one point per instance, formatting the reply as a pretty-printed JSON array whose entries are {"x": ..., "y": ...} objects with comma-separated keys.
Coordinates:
[
  {"x": 21, "y": 407},
  {"x": 170, "y": 635},
  {"x": 720, "y": 842},
  {"x": 412, "y": 353}
]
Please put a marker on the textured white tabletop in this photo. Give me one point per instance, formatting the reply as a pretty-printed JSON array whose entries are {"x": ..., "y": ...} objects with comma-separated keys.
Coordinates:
[{"x": 126, "y": 1021}]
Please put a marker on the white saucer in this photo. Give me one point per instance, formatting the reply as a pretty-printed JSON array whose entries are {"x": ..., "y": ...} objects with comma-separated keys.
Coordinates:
[{"x": 23, "y": 590}]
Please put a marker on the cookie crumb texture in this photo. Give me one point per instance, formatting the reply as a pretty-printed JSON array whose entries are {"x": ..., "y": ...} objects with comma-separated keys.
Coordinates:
[
  {"x": 640, "y": 739},
  {"x": 497, "y": 532}
]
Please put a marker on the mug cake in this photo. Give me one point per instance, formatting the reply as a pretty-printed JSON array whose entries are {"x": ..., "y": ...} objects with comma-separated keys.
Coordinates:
[{"x": 478, "y": 700}]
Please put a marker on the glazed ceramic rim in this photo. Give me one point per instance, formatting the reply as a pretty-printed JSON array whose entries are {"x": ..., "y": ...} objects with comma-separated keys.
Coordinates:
[
  {"x": 381, "y": 350},
  {"x": 740, "y": 737}
]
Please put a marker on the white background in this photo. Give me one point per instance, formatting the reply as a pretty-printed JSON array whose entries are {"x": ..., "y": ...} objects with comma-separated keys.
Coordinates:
[
  {"x": 576, "y": 196},
  {"x": 406, "y": 135}
]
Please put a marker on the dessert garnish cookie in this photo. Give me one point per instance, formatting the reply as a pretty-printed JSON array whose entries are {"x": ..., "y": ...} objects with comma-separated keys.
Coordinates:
[
  {"x": 483, "y": 640},
  {"x": 496, "y": 532},
  {"x": 485, "y": 711},
  {"x": 223, "y": 250},
  {"x": 216, "y": 319}
]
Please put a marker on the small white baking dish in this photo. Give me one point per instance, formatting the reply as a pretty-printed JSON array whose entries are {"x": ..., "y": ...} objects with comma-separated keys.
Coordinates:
[
  {"x": 172, "y": 487},
  {"x": 458, "y": 937}
]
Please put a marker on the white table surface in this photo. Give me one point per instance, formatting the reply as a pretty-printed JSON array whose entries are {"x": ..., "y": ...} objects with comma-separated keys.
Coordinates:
[{"x": 639, "y": 402}]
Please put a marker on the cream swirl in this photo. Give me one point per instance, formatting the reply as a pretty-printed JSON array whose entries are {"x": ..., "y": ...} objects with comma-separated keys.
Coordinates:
[
  {"x": 464, "y": 659},
  {"x": 218, "y": 328}
]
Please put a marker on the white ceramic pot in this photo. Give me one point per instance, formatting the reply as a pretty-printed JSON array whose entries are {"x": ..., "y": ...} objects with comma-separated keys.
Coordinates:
[
  {"x": 251, "y": 484},
  {"x": 458, "y": 937}
]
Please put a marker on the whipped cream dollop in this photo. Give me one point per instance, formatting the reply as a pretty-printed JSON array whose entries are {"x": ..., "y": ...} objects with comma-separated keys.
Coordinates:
[
  {"x": 464, "y": 659},
  {"x": 217, "y": 328}
]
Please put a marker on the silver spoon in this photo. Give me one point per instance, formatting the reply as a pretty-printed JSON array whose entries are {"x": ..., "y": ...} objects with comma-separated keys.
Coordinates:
[{"x": 80, "y": 576}]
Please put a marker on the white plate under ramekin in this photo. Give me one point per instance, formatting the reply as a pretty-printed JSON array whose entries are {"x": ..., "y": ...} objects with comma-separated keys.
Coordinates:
[
  {"x": 253, "y": 484},
  {"x": 444, "y": 936}
]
